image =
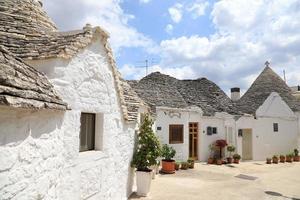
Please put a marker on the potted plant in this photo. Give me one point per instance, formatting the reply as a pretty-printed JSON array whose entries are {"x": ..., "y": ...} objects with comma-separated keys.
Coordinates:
[
  {"x": 220, "y": 144},
  {"x": 269, "y": 160},
  {"x": 184, "y": 165},
  {"x": 145, "y": 155},
  {"x": 191, "y": 162},
  {"x": 296, "y": 155},
  {"x": 177, "y": 165},
  {"x": 275, "y": 159},
  {"x": 210, "y": 159},
  {"x": 236, "y": 158},
  {"x": 168, "y": 164},
  {"x": 230, "y": 149},
  {"x": 219, "y": 161},
  {"x": 282, "y": 158},
  {"x": 289, "y": 158}
]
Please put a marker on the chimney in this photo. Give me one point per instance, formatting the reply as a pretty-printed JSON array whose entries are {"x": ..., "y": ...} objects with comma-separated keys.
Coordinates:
[{"x": 235, "y": 94}]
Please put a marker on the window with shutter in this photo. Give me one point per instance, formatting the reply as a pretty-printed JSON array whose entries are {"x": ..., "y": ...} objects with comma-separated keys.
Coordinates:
[{"x": 175, "y": 133}]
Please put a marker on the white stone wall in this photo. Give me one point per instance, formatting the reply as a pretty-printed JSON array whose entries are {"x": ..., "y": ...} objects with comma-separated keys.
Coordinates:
[
  {"x": 166, "y": 117},
  {"x": 31, "y": 153},
  {"x": 86, "y": 83},
  {"x": 266, "y": 142}
]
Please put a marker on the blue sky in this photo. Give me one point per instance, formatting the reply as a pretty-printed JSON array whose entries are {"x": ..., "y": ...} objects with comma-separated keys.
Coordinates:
[
  {"x": 152, "y": 18},
  {"x": 226, "y": 41}
]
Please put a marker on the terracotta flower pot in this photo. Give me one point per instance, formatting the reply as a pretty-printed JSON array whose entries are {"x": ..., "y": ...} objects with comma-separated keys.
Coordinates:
[
  {"x": 168, "y": 166},
  {"x": 210, "y": 161},
  {"x": 269, "y": 161},
  {"x": 275, "y": 160},
  {"x": 282, "y": 159},
  {"x": 296, "y": 158},
  {"x": 289, "y": 159},
  {"x": 229, "y": 160},
  {"x": 219, "y": 162},
  {"x": 236, "y": 161}
]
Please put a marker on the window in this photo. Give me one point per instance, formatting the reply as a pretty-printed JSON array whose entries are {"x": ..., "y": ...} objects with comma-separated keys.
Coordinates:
[
  {"x": 87, "y": 132},
  {"x": 211, "y": 130},
  {"x": 275, "y": 127},
  {"x": 214, "y": 131},
  {"x": 175, "y": 134}
]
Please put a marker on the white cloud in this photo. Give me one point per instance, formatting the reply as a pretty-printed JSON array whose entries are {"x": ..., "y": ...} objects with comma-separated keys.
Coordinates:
[
  {"x": 198, "y": 8},
  {"x": 145, "y": 1},
  {"x": 169, "y": 28},
  {"x": 70, "y": 15},
  {"x": 247, "y": 35},
  {"x": 176, "y": 12},
  {"x": 127, "y": 70}
]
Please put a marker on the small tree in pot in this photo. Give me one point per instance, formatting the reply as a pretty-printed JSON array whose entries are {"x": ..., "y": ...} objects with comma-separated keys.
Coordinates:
[
  {"x": 236, "y": 158},
  {"x": 230, "y": 149},
  {"x": 168, "y": 164},
  {"x": 145, "y": 155},
  {"x": 221, "y": 144}
]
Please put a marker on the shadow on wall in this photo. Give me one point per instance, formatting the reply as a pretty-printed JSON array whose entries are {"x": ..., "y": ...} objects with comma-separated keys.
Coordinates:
[
  {"x": 131, "y": 170},
  {"x": 17, "y": 124}
]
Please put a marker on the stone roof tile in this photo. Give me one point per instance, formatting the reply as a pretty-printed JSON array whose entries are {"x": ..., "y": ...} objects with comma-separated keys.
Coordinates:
[
  {"x": 266, "y": 83},
  {"x": 23, "y": 86}
]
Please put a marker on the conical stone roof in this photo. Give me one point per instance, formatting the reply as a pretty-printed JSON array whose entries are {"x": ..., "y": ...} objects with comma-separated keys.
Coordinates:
[
  {"x": 158, "y": 89},
  {"x": 24, "y": 18},
  {"x": 266, "y": 83}
]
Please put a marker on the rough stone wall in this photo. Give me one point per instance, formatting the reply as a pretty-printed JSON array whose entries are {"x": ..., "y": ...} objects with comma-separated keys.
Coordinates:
[
  {"x": 31, "y": 153},
  {"x": 86, "y": 83}
]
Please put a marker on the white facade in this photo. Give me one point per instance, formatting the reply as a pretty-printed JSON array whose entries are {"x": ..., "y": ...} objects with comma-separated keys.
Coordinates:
[
  {"x": 40, "y": 149},
  {"x": 265, "y": 142},
  {"x": 169, "y": 116}
]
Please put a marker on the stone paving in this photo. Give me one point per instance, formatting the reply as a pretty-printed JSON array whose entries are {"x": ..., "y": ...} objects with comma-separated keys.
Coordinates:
[{"x": 256, "y": 180}]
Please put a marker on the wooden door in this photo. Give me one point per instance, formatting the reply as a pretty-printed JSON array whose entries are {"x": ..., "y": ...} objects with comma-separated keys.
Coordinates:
[
  {"x": 193, "y": 140},
  {"x": 247, "y": 144}
]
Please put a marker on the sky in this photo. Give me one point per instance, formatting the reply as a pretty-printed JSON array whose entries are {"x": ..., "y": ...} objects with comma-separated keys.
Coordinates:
[{"x": 226, "y": 41}]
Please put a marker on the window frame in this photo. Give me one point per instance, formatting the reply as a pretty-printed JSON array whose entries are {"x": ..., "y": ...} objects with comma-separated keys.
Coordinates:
[
  {"x": 275, "y": 127},
  {"x": 171, "y": 138},
  {"x": 93, "y": 135}
]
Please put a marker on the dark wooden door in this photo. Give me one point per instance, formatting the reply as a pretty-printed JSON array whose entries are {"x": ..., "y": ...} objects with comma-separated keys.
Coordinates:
[{"x": 193, "y": 140}]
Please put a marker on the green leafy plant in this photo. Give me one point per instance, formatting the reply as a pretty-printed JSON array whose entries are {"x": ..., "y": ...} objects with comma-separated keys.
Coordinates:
[
  {"x": 147, "y": 148},
  {"x": 230, "y": 149},
  {"x": 168, "y": 152},
  {"x": 184, "y": 165},
  {"x": 275, "y": 157},
  {"x": 296, "y": 152},
  {"x": 236, "y": 156}
]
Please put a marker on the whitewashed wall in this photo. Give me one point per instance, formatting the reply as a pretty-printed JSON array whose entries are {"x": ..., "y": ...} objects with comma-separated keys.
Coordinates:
[
  {"x": 86, "y": 83},
  {"x": 166, "y": 117},
  {"x": 31, "y": 153},
  {"x": 266, "y": 142}
]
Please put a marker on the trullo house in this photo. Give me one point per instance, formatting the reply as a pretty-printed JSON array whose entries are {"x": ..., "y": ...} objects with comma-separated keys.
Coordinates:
[
  {"x": 192, "y": 114},
  {"x": 68, "y": 120}
]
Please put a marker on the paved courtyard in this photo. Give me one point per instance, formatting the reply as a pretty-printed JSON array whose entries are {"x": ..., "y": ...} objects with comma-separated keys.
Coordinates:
[{"x": 281, "y": 181}]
